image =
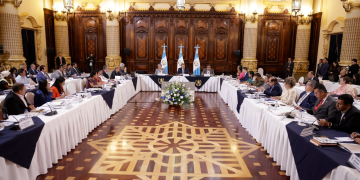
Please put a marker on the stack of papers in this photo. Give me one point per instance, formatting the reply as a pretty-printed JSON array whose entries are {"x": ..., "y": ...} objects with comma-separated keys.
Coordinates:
[{"x": 353, "y": 148}]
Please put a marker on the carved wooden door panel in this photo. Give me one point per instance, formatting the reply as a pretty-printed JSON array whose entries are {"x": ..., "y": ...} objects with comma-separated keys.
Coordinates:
[
  {"x": 202, "y": 39},
  {"x": 142, "y": 42},
  {"x": 161, "y": 37},
  {"x": 91, "y": 39},
  {"x": 221, "y": 43},
  {"x": 182, "y": 27},
  {"x": 273, "y": 39}
]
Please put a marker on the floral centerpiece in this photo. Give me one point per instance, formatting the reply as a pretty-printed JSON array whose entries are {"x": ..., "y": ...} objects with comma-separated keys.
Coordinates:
[{"x": 175, "y": 93}]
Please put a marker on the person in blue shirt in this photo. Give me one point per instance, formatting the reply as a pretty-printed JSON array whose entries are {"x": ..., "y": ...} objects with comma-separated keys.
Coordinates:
[
  {"x": 275, "y": 88},
  {"x": 43, "y": 94}
]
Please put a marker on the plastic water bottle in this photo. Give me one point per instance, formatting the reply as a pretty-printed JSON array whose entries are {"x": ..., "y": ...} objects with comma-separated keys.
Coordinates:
[
  {"x": 85, "y": 90},
  {"x": 26, "y": 114},
  {"x": 276, "y": 104}
]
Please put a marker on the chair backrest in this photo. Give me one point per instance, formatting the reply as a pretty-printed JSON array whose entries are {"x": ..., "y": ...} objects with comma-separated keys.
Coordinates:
[
  {"x": 84, "y": 81},
  {"x": 71, "y": 88},
  {"x": 30, "y": 97},
  {"x": 261, "y": 71},
  {"x": 2, "y": 104},
  {"x": 301, "y": 79}
]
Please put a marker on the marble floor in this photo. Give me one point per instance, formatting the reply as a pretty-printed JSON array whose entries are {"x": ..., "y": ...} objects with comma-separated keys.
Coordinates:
[{"x": 148, "y": 140}]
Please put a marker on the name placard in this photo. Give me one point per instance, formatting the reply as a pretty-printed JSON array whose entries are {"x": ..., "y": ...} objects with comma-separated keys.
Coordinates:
[
  {"x": 206, "y": 75},
  {"x": 354, "y": 161},
  {"x": 186, "y": 75},
  {"x": 26, "y": 123},
  {"x": 307, "y": 131}
]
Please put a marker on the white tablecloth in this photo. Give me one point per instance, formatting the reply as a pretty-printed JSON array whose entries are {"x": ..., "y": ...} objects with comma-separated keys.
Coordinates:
[
  {"x": 64, "y": 131},
  {"x": 332, "y": 86},
  {"x": 78, "y": 83},
  {"x": 270, "y": 131},
  {"x": 147, "y": 84}
]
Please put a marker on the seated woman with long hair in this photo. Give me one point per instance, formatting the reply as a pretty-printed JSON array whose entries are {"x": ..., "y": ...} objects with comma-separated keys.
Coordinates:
[
  {"x": 345, "y": 87},
  {"x": 289, "y": 94},
  {"x": 57, "y": 88},
  {"x": 43, "y": 94},
  {"x": 93, "y": 80}
]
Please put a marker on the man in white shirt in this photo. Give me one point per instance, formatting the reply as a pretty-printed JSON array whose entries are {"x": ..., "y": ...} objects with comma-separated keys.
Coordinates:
[{"x": 21, "y": 78}]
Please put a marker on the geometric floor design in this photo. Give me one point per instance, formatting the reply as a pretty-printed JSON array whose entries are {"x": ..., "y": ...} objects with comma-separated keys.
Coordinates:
[
  {"x": 173, "y": 150},
  {"x": 146, "y": 139}
]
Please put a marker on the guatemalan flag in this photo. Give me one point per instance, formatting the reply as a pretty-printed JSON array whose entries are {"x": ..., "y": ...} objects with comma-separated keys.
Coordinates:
[
  {"x": 164, "y": 63},
  {"x": 196, "y": 63},
  {"x": 181, "y": 59}
]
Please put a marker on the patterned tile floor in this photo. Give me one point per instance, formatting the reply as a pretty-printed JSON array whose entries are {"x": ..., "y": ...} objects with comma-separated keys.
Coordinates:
[{"x": 149, "y": 140}]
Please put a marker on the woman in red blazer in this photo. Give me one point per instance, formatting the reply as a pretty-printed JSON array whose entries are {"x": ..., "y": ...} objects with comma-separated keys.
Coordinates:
[{"x": 57, "y": 87}]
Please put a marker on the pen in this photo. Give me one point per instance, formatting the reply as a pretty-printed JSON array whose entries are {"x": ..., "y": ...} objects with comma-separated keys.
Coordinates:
[{"x": 344, "y": 148}]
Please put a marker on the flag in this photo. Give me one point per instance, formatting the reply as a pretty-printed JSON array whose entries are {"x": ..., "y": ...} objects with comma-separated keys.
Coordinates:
[
  {"x": 164, "y": 63},
  {"x": 181, "y": 59},
  {"x": 196, "y": 63}
]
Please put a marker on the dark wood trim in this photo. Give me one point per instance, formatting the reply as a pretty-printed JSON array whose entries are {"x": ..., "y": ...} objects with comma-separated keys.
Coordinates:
[
  {"x": 314, "y": 41},
  {"x": 50, "y": 37}
]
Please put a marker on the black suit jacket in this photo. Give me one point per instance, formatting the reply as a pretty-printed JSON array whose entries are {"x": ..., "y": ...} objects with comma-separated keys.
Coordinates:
[
  {"x": 349, "y": 123},
  {"x": 186, "y": 71},
  {"x": 77, "y": 72},
  {"x": 291, "y": 66},
  {"x": 326, "y": 110},
  {"x": 114, "y": 73},
  {"x": 105, "y": 74},
  {"x": 15, "y": 105},
  {"x": 58, "y": 61},
  {"x": 276, "y": 90},
  {"x": 315, "y": 79},
  {"x": 354, "y": 69},
  {"x": 32, "y": 72}
]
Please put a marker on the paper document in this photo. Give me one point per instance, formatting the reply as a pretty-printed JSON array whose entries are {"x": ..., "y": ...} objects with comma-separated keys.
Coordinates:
[
  {"x": 354, "y": 148},
  {"x": 295, "y": 105},
  {"x": 344, "y": 139}
]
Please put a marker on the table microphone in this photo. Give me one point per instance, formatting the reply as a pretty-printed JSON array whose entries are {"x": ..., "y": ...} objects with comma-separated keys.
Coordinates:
[
  {"x": 313, "y": 125},
  {"x": 51, "y": 113}
]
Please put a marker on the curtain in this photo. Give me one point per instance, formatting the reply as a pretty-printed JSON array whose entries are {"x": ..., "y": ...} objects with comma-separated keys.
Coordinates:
[
  {"x": 335, "y": 48},
  {"x": 28, "y": 40}
]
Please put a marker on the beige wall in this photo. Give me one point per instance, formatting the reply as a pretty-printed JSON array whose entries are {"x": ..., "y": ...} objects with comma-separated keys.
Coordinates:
[{"x": 34, "y": 8}]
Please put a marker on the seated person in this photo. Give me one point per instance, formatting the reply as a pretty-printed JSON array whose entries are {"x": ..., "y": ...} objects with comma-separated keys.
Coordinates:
[
  {"x": 356, "y": 137},
  {"x": 68, "y": 70},
  {"x": 116, "y": 72},
  {"x": 238, "y": 72},
  {"x": 100, "y": 77},
  {"x": 307, "y": 98},
  {"x": 16, "y": 102},
  {"x": 324, "y": 106},
  {"x": 160, "y": 70},
  {"x": 251, "y": 76},
  {"x": 123, "y": 69},
  {"x": 275, "y": 88},
  {"x": 343, "y": 74},
  {"x": 345, "y": 87},
  {"x": 246, "y": 75},
  {"x": 43, "y": 94},
  {"x": 105, "y": 71},
  {"x": 208, "y": 70},
  {"x": 57, "y": 88},
  {"x": 21, "y": 78},
  {"x": 289, "y": 94},
  {"x": 43, "y": 74},
  {"x": 74, "y": 70},
  {"x": 59, "y": 72},
  {"x": 356, "y": 79},
  {"x": 183, "y": 70},
  {"x": 257, "y": 81},
  {"x": 267, "y": 80},
  {"x": 32, "y": 70},
  {"x": 311, "y": 76},
  {"x": 346, "y": 118},
  {"x": 13, "y": 72},
  {"x": 7, "y": 80},
  {"x": 93, "y": 81}
]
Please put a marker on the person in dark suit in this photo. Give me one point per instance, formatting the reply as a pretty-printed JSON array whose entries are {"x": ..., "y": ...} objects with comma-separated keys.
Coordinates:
[
  {"x": 208, "y": 70},
  {"x": 324, "y": 106},
  {"x": 246, "y": 74},
  {"x": 32, "y": 70},
  {"x": 289, "y": 67},
  {"x": 123, "y": 69},
  {"x": 307, "y": 98},
  {"x": 354, "y": 68},
  {"x": 105, "y": 71},
  {"x": 346, "y": 118},
  {"x": 319, "y": 68},
  {"x": 67, "y": 71},
  {"x": 116, "y": 72},
  {"x": 311, "y": 76},
  {"x": 90, "y": 61},
  {"x": 324, "y": 73},
  {"x": 60, "y": 60},
  {"x": 16, "y": 102},
  {"x": 275, "y": 88},
  {"x": 43, "y": 74},
  {"x": 183, "y": 70},
  {"x": 74, "y": 70},
  {"x": 335, "y": 71}
]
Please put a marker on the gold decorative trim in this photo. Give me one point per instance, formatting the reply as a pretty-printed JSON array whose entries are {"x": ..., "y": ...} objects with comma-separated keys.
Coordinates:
[
  {"x": 113, "y": 62},
  {"x": 301, "y": 65},
  {"x": 251, "y": 64}
]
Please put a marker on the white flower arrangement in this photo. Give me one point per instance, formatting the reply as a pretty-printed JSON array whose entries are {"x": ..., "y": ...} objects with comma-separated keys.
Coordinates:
[{"x": 176, "y": 93}]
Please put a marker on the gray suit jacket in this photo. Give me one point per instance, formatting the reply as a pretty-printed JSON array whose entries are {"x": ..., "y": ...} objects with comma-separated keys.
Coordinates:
[
  {"x": 326, "y": 110},
  {"x": 158, "y": 71},
  {"x": 258, "y": 83},
  {"x": 205, "y": 72},
  {"x": 57, "y": 74}
]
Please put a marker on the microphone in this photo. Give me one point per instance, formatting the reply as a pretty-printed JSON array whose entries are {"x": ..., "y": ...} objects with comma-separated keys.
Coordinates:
[
  {"x": 288, "y": 115},
  {"x": 51, "y": 113},
  {"x": 313, "y": 125}
]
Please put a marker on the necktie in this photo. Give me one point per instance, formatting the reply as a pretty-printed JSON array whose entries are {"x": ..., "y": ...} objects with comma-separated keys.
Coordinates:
[
  {"x": 302, "y": 99},
  {"x": 271, "y": 88},
  {"x": 60, "y": 61},
  {"x": 316, "y": 108}
]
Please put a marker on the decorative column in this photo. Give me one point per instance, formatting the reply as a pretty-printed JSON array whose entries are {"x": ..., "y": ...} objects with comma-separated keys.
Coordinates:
[
  {"x": 10, "y": 35},
  {"x": 250, "y": 43},
  {"x": 113, "y": 58},
  {"x": 350, "y": 48},
  {"x": 301, "y": 62},
  {"x": 62, "y": 40}
]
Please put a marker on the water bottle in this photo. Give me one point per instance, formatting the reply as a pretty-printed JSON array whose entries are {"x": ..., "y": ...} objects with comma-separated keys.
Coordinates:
[
  {"x": 5, "y": 115},
  {"x": 85, "y": 90},
  {"x": 276, "y": 104},
  {"x": 26, "y": 114}
]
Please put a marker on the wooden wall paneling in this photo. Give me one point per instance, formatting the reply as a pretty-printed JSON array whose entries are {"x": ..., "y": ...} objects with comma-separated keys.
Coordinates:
[
  {"x": 314, "y": 41},
  {"x": 50, "y": 37},
  {"x": 241, "y": 29},
  {"x": 187, "y": 28},
  {"x": 142, "y": 40}
]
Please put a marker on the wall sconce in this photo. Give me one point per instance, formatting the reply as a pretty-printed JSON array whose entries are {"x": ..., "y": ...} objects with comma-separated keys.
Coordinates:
[
  {"x": 111, "y": 15},
  {"x": 296, "y": 6},
  {"x": 121, "y": 15},
  {"x": 304, "y": 20},
  {"x": 347, "y": 5},
  {"x": 253, "y": 18},
  {"x": 60, "y": 16}
]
